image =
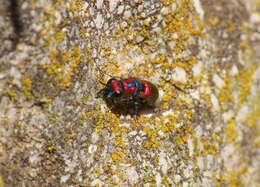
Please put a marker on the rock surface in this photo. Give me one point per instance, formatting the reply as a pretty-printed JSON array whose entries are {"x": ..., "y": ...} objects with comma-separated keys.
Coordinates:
[{"x": 203, "y": 56}]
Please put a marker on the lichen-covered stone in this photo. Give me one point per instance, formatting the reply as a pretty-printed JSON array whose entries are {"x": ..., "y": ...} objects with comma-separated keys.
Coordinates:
[{"x": 202, "y": 55}]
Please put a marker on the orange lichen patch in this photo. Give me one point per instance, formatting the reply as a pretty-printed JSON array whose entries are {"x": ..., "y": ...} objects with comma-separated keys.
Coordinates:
[
  {"x": 189, "y": 114},
  {"x": 179, "y": 140},
  {"x": 59, "y": 36},
  {"x": 147, "y": 131},
  {"x": 119, "y": 142},
  {"x": 33, "y": 3},
  {"x": 213, "y": 21},
  {"x": 27, "y": 84},
  {"x": 244, "y": 79},
  {"x": 11, "y": 94},
  {"x": 210, "y": 145},
  {"x": 116, "y": 157},
  {"x": 206, "y": 144},
  {"x": 78, "y": 3},
  {"x": 63, "y": 65},
  {"x": 252, "y": 119},
  {"x": 234, "y": 177},
  {"x": 167, "y": 127},
  {"x": 153, "y": 138},
  {"x": 19, "y": 124},
  {"x": 256, "y": 141},
  {"x": 185, "y": 139},
  {"x": 47, "y": 100},
  {"x": 51, "y": 148},
  {"x": 212, "y": 149},
  {"x": 109, "y": 121},
  {"x": 225, "y": 95},
  {"x": 71, "y": 136},
  {"x": 166, "y": 124},
  {"x": 4, "y": 117},
  {"x": 230, "y": 132},
  {"x": 231, "y": 27},
  {"x": 75, "y": 54}
]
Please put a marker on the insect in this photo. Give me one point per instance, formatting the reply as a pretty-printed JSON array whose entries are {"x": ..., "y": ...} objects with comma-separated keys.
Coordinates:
[{"x": 129, "y": 95}]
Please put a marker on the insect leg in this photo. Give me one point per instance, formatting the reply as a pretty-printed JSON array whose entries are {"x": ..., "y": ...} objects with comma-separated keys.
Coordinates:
[
  {"x": 136, "y": 105},
  {"x": 98, "y": 94}
]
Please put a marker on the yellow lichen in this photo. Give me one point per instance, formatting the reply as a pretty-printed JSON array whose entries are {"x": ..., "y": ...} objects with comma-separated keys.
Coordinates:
[
  {"x": 230, "y": 132},
  {"x": 50, "y": 148},
  {"x": 27, "y": 84},
  {"x": 214, "y": 21},
  {"x": 11, "y": 93}
]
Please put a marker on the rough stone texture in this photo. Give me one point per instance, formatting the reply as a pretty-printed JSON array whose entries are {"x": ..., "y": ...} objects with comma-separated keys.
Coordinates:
[{"x": 203, "y": 55}]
